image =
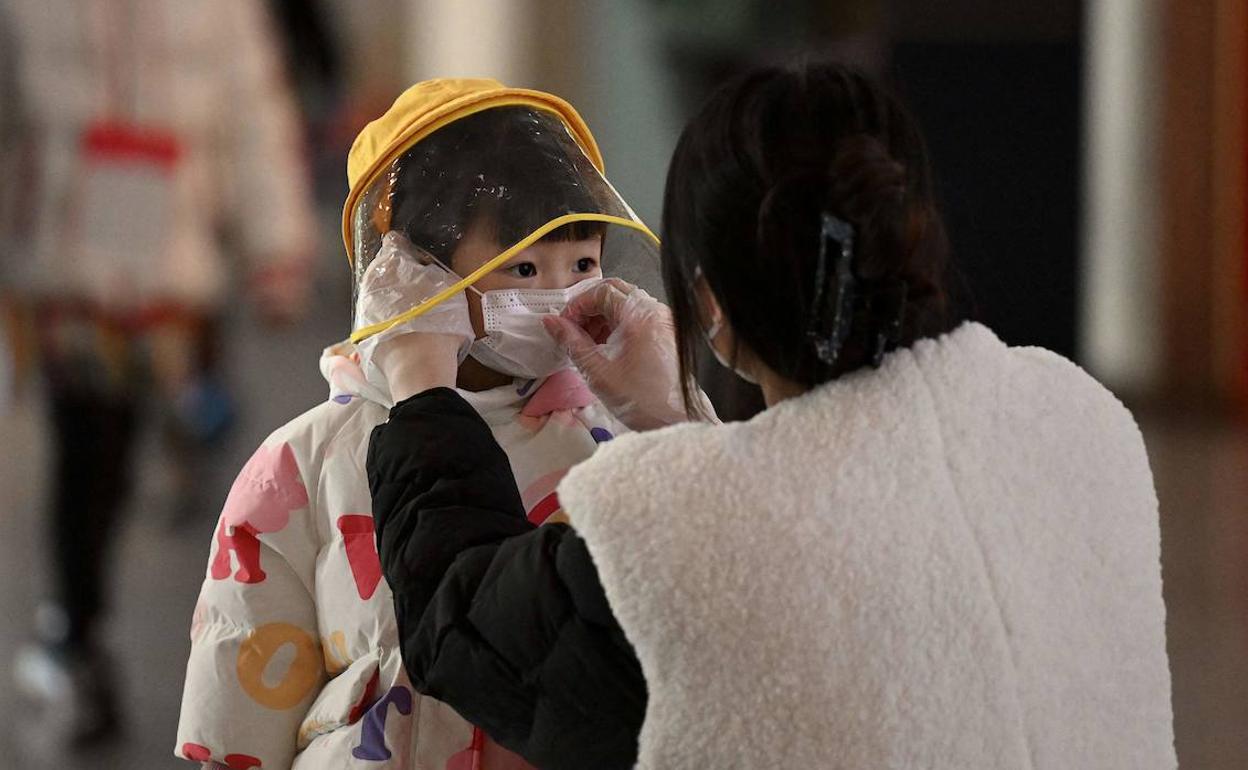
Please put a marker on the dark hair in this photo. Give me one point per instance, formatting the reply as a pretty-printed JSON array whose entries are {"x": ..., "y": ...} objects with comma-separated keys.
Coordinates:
[
  {"x": 510, "y": 169},
  {"x": 753, "y": 174}
]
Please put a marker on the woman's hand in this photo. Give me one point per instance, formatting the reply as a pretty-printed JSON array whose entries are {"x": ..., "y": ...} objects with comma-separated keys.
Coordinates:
[
  {"x": 624, "y": 344},
  {"x": 422, "y": 352}
]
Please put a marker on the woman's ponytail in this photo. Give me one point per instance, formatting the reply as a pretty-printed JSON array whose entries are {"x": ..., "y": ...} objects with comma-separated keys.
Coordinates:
[{"x": 805, "y": 198}]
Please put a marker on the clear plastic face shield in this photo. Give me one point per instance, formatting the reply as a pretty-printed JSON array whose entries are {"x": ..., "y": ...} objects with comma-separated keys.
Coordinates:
[{"x": 510, "y": 206}]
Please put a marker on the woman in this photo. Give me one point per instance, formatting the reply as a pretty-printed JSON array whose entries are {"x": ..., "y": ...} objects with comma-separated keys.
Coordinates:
[{"x": 931, "y": 550}]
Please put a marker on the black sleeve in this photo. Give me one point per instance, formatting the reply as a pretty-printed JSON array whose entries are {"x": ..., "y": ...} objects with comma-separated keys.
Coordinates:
[{"x": 504, "y": 621}]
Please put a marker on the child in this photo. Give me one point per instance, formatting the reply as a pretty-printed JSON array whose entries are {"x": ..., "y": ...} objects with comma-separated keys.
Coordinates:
[{"x": 294, "y": 661}]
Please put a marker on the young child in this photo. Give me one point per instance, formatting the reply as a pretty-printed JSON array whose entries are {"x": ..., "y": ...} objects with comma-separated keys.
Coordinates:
[{"x": 294, "y": 659}]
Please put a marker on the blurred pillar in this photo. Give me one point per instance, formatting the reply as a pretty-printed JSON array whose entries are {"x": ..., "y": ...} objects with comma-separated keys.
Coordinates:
[
  {"x": 472, "y": 38},
  {"x": 371, "y": 33},
  {"x": 559, "y": 55},
  {"x": 1203, "y": 196},
  {"x": 1187, "y": 198},
  {"x": 1121, "y": 331},
  {"x": 1230, "y": 201}
]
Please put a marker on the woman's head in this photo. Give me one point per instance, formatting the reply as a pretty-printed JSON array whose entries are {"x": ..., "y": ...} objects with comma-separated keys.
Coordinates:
[{"x": 754, "y": 174}]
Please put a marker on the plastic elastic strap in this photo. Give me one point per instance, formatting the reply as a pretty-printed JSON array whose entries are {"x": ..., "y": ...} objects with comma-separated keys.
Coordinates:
[{"x": 496, "y": 262}]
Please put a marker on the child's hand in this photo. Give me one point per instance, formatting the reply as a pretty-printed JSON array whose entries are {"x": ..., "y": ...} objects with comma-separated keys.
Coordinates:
[
  {"x": 413, "y": 363},
  {"x": 418, "y": 353}
]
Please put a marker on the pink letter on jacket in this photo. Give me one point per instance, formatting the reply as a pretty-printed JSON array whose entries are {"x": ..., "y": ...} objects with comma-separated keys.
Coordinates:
[{"x": 261, "y": 499}]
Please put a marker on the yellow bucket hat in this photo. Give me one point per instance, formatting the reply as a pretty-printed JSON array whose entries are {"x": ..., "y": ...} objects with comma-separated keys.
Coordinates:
[{"x": 429, "y": 106}]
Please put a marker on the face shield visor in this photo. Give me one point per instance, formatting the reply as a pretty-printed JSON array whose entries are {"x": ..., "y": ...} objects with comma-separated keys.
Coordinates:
[{"x": 503, "y": 199}]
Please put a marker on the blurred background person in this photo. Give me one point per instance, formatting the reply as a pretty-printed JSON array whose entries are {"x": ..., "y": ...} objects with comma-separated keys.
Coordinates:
[
  {"x": 1093, "y": 156},
  {"x": 10, "y": 122},
  {"x": 157, "y": 139}
]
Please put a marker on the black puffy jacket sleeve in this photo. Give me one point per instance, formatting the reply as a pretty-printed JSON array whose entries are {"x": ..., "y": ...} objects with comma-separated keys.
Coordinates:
[{"x": 504, "y": 621}]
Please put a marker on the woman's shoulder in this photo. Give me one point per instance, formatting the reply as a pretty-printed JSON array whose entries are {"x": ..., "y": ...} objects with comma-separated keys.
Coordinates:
[
  {"x": 1032, "y": 383},
  {"x": 942, "y": 399},
  {"x": 1029, "y": 418},
  {"x": 970, "y": 369},
  {"x": 630, "y": 457},
  {"x": 637, "y": 476}
]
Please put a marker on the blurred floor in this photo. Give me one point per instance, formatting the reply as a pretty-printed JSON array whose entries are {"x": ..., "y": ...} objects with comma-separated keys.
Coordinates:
[{"x": 1202, "y": 480}]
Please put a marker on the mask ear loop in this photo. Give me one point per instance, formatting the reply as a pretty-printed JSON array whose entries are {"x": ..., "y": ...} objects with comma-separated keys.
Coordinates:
[{"x": 717, "y": 324}]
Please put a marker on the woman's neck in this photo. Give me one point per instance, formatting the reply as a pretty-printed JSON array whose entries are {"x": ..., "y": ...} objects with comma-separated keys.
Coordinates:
[
  {"x": 475, "y": 377},
  {"x": 776, "y": 388}
]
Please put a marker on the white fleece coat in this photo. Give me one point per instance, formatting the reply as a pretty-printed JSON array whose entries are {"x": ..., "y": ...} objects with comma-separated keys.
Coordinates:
[{"x": 949, "y": 562}]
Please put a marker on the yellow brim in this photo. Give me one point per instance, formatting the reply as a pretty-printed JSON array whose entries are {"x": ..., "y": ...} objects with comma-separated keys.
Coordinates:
[{"x": 420, "y": 131}]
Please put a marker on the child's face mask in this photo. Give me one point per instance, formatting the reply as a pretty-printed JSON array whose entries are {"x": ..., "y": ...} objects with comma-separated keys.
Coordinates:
[{"x": 515, "y": 342}]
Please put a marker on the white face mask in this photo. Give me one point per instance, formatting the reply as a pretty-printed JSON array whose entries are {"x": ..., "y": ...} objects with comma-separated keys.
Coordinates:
[
  {"x": 709, "y": 335},
  {"x": 515, "y": 342}
]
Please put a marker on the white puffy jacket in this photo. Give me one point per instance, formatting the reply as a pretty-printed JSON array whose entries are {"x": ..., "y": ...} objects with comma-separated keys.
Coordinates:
[{"x": 295, "y": 660}]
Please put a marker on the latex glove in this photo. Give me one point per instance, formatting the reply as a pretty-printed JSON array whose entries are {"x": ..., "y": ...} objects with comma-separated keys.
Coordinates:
[
  {"x": 623, "y": 342},
  {"x": 422, "y": 352}
]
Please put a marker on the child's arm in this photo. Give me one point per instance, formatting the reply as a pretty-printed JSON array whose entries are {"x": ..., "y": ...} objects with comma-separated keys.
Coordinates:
[
  {"x": 255, "y": 607},
  {"x": 504, "y": 621}
]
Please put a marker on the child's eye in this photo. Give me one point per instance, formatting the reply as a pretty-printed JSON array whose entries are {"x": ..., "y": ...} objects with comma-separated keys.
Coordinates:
[
  {"x": 523, "y": 270},
  {"x": 586, "y": 264}
]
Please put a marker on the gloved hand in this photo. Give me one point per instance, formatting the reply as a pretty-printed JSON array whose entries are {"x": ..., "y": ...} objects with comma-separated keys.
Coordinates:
[
  {"x": 421, "y": 352},
  {"x": 623, "y": 342}
]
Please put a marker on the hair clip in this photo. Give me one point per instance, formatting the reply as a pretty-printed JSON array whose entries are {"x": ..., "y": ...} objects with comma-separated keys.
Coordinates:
[{"x": 828, "y": 343}]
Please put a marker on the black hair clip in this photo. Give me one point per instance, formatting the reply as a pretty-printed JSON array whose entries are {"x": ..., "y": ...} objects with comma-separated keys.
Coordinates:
[
  {"x": 828, "y": 342},
  {"x": 882, "y": 302}
]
